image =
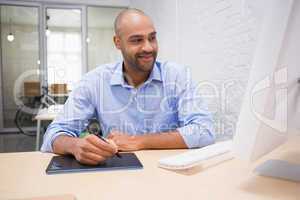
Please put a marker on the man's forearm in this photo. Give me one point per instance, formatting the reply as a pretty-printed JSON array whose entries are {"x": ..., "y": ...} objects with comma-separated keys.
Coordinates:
[
  {"x": 165, "y": 140},
  {"x": 64, "y": 144}
]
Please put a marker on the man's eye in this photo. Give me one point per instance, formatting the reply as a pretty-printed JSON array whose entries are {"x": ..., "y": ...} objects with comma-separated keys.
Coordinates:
[
  {"x": 152, "y": 38},
  {"x": 138, "y": 40}
]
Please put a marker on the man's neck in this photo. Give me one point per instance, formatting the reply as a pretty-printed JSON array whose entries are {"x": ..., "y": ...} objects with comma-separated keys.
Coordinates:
[{"x": 134, "y": 77}]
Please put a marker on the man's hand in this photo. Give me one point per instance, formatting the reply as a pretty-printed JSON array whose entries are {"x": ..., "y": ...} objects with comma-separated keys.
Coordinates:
[
  {"x": 124, "y": 141},
  {"x": 88, "y": 150},
  {"x": 92, "y": 150}
]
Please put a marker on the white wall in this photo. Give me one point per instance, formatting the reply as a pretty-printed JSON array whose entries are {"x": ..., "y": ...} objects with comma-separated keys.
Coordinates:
[
  {"x": 216, "y": 39},
  {"x": 164, "y": 16}
]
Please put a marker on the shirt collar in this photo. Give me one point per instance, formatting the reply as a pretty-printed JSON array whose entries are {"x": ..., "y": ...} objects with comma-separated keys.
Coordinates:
[
  {"x": 117, "y": 75},
  {"x": 156, "y": 73},
  {"x": 118, "y": 79}
]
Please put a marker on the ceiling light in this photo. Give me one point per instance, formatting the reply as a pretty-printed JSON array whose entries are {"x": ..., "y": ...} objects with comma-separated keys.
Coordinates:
[
  {"x": 48, "y": 32},
  {"x": 10, "y": 37}
]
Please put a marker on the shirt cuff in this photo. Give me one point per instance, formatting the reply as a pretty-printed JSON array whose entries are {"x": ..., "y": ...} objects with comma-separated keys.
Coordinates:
[
  {"x": 196, "y": 137},
  {"x": 48, "y": 142}
]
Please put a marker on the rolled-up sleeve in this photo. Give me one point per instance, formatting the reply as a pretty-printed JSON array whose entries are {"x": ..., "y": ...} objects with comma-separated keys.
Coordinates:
[
  {"x": 71, "y": 120},
  {"x": 195, "y": 121}
]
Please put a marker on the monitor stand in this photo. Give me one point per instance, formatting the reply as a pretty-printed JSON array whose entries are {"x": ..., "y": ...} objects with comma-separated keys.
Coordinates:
[{"x": 279, "y": 169}]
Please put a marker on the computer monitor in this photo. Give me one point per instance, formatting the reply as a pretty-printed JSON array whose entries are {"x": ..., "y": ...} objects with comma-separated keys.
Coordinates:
[{"x": 262, "y": 125}]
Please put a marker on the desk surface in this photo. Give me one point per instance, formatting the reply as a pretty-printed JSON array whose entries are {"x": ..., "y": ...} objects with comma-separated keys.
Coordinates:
[{"x": 22, "y": 175}]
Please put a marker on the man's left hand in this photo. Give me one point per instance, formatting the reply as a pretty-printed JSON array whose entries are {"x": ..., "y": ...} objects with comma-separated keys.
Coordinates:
[{"x": 124, "y": 141}]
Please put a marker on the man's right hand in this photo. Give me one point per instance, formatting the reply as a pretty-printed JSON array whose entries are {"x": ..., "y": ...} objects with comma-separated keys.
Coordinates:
[
  {"x": 89, "y": 150},
  {"x": 92, "y": 150}
]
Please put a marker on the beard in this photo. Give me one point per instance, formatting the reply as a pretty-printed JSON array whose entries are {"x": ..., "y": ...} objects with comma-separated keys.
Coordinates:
[{"x": 142, "y": 62}]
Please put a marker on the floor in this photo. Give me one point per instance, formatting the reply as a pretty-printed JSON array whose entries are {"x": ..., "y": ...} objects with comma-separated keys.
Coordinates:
[
  {"x": 17, "y": 142},
  {"x": 13, "y": 142}
]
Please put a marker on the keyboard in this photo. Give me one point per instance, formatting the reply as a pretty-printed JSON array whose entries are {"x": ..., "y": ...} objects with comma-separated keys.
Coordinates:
[{"x": 195, "y": 156}]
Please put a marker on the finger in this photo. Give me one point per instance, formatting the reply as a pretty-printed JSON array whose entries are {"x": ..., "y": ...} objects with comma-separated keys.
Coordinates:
[
  {"x": 112, "y": 142},
  {"x": 93, "y": 149},
  {"x": 93, "y": 157},
  {"x": 120, "y": 146},
  {"x": 105, "y": 146}
]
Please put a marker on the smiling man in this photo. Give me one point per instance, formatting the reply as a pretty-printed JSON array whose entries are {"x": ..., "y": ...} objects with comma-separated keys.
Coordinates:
[{"x": 141, "y": 103}]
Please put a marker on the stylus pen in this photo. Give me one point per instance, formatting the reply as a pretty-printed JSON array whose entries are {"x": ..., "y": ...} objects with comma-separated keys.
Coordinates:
[{"x": 104, "y": 140}]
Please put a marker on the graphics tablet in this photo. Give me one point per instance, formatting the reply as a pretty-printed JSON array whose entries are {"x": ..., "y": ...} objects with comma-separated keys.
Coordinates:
[{"x": 68, "y": 164}]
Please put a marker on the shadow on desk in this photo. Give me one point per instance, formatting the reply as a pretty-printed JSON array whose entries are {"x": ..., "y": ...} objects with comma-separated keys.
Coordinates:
[{"x": 268, "y": 186}]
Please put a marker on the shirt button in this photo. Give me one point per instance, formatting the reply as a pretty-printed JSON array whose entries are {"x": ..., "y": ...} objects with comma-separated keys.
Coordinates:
[{"x": 135, "y": 93}]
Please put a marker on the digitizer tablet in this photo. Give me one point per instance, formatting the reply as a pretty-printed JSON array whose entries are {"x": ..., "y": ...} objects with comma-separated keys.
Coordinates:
[{"x": 68, "y": 164}]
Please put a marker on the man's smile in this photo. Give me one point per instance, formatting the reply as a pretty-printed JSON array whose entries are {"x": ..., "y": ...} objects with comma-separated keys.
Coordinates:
[{"x": 146, "y": 57}]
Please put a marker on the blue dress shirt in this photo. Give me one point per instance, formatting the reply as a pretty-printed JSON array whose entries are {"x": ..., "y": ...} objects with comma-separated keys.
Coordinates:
[{"x": 168, "y": 100}]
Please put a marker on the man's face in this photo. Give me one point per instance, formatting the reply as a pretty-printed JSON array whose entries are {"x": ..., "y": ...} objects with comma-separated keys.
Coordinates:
[{"x": 137, "y": 42}]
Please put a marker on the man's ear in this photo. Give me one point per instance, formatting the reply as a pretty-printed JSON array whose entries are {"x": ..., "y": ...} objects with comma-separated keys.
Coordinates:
[{"x": 117, "y": 42}]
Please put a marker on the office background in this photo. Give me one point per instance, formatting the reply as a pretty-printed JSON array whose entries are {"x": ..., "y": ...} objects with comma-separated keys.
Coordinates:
[{"x": 216, "y": 39}]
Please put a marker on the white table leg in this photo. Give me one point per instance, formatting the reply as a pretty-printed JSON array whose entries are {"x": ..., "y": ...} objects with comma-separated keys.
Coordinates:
[{"x": 38, "y": 132}]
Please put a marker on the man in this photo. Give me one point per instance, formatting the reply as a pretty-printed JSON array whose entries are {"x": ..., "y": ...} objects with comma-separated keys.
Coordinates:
[{"x": 141, "y": 103}]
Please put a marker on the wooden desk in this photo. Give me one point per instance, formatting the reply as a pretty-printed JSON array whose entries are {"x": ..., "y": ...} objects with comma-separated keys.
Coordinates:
[{"x": 22, "y": 175}]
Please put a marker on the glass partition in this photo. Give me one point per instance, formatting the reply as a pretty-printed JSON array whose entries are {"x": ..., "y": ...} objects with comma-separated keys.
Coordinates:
[
  {"x": 20, "y": 59},
  {"x": 64, "y": 56},
  {"x": 64, "y": 50}
]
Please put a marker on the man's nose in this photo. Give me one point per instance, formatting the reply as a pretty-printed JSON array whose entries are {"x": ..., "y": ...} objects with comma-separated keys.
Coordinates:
[{"x": 147, "y": 46}]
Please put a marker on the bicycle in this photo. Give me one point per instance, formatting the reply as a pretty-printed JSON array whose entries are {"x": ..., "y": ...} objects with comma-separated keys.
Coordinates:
[{"x": 23, "y": 115}]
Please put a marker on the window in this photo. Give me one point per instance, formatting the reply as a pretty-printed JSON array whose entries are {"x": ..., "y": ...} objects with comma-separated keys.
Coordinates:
[
  {"x": 64, "y": 49},
  {"x": 64, "y": 58}
]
